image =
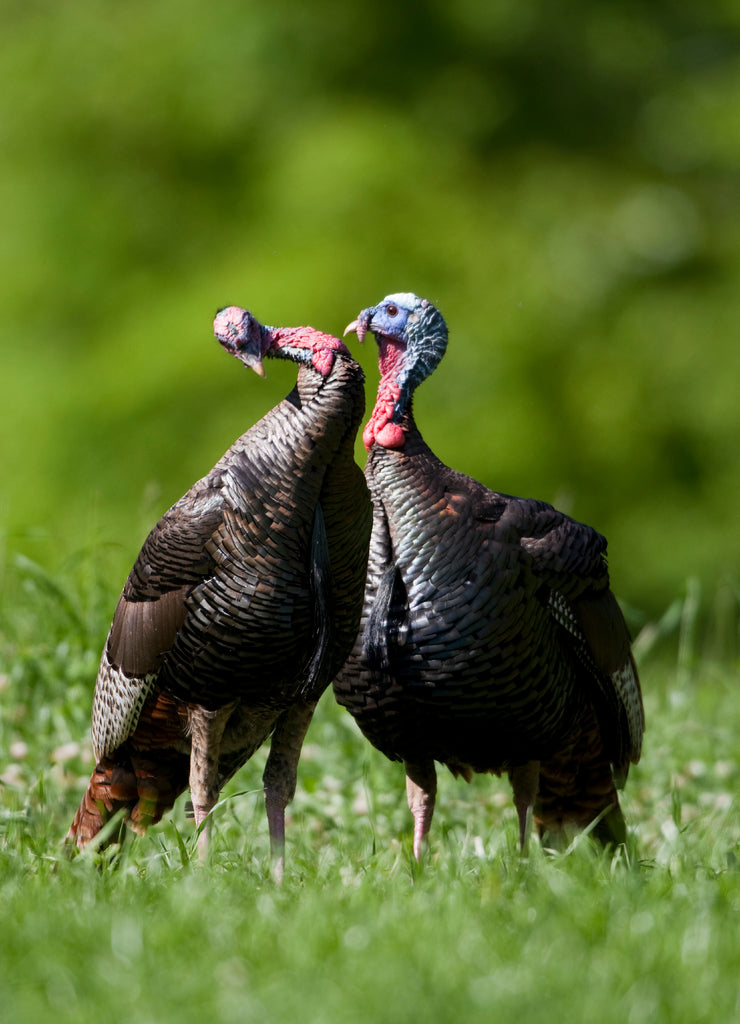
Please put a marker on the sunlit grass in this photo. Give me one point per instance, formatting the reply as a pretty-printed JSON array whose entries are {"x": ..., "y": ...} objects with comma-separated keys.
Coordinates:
[{"x": 358, "y": 931}]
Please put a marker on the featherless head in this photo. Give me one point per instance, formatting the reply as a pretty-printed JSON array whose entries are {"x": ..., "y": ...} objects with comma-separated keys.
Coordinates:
[
  {"x": 412, "y": 337},
  {"x": 241, "y": 335},
  {"x": 249, "y": 340}
]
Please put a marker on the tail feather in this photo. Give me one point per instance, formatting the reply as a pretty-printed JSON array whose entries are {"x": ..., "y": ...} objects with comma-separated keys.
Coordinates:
[
  {"x": 97, "y": 806},
  {"x": 577, "y": 789},
  {"x": 144, "y": 786}
]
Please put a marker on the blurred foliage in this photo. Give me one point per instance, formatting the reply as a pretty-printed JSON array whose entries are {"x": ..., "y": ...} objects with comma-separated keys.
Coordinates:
[{"x": 561, "y": 179}]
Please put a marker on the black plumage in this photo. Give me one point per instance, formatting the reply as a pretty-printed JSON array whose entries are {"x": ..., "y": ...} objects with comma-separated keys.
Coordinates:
[
  {"x": 243, "y": 602},
  {"x": 490, "y": 640}
]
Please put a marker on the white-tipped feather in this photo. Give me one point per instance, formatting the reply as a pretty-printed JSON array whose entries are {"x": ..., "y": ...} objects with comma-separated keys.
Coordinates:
[
  {"x": 628, "y": 689},
  {"x": 117, "y": 705}
]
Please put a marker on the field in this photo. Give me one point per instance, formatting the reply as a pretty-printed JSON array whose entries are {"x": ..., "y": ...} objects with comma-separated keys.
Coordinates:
[
  {"x": 357, "y": 932},
  {"x": 562, "y": 181}
]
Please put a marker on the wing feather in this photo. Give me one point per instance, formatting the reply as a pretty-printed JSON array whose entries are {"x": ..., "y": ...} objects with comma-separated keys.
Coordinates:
[
  {"x": 150, "y": 612},
  {"x": 570, "y": 557}
]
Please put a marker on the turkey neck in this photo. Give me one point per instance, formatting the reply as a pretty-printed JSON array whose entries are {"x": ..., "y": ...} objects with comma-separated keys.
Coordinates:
[
  {"x": 312, "y": 425},
  {"x": 333, "y": 405},
  {"x": 405, "y": 461}
]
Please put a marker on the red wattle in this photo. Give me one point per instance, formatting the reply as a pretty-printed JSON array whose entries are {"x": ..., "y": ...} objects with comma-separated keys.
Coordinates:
[
  {"x": 380, "y": 428},
  {"x": 391, "y": 435},
  {"x": 368, "y": 435}
]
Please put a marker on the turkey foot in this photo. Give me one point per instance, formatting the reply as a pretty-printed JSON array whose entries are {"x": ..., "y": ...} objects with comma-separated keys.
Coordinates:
[{"x": 421, "y": 790}]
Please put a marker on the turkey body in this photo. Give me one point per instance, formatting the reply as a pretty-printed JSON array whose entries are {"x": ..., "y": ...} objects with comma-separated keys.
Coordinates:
[
  {"x": 238, "y": 611},
  {"x": 490, "y": 640}
]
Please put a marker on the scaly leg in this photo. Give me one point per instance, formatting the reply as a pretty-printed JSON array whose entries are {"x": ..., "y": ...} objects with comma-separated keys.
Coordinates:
[
  {"x": 525, "y": 780},
  {"x": 421, "y": 791},
  {"x": 206, "y": 731},
  {"x": 280, "y": 774}
]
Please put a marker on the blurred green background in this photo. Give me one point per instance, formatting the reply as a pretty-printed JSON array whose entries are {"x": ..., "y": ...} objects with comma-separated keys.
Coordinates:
[{"x": 561, "y": 179}]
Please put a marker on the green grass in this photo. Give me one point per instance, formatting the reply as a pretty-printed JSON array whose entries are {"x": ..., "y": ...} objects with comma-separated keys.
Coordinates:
[{"x": 357, "y": 932}]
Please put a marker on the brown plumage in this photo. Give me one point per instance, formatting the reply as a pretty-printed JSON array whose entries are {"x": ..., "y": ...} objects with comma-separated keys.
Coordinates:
[
  {"x": 490, "y": 640},
  {"x": 242, "y": 604}
]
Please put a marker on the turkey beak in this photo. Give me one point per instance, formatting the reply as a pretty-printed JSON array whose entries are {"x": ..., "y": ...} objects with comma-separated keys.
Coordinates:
[
  {"x": 360, "y": 325},
  {"x": 253, "y": 361}
]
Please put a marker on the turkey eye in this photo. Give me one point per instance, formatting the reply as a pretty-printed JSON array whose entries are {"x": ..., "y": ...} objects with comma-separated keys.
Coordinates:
[{"x": 391, "y": 310}]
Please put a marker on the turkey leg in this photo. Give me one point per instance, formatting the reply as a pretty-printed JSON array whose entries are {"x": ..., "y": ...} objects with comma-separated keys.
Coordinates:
[
  {"x": 525, "y": 781},
  {"x": 206, "y": 731},
  {"x": 280, "y": 774},
  {"x": 421, "y": 790}
]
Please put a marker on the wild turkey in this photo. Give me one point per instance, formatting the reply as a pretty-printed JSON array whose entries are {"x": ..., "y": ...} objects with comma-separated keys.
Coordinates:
[
  {"x": 243, "y": 602},
  {"x": 490, "y": 640}
]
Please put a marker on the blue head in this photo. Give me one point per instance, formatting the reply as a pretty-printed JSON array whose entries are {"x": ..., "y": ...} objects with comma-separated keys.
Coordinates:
[{"x": 416, "y": 330}]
